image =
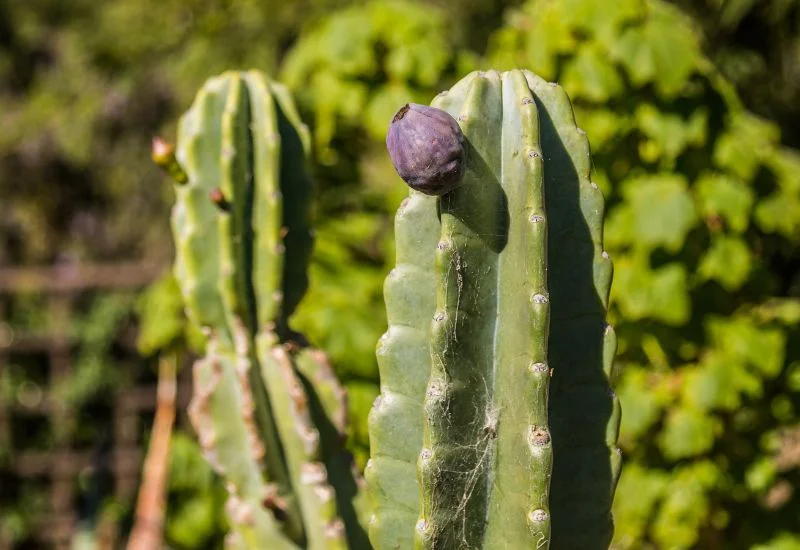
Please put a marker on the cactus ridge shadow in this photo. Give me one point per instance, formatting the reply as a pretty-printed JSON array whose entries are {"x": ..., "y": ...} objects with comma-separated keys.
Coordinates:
[{"x": 580, "y": 402}]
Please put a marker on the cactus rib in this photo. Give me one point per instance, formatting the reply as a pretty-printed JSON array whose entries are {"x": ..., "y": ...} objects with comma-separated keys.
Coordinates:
[
  {"x": 486, "y": 463},
  {"x": 522, "y": 465},
  {"x": 218, "y": 395},
  {"x": 584, "y": 412},
  {"x": 327, "y": 401},
  {"x": 301, "y": 445},
  {"x": 456, "y": 459},
  {"x": 403, "y": 353}
]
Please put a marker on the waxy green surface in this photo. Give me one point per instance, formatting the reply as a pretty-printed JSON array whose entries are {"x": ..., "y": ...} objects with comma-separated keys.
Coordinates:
[
  {"x": 268, "y": 410},
  {"x": 499, "y": 286}
]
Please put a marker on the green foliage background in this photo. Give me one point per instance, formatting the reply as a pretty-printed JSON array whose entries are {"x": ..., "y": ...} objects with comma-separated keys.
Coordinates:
[
  {"x": 703, "y": 204},
  {"x": 702, "y": 223}
]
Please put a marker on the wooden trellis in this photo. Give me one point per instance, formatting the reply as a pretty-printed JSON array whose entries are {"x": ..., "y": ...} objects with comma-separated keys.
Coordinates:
[{"x": 55, "y": 470}]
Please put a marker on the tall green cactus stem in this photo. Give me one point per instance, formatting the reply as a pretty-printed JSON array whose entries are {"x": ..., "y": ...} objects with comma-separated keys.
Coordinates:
[
  {"x": 241, "y": 225},
  {"x": 480, "y": 262},
  {"x": 584, "y": 412},
  {"x": 206, "y": 263}
]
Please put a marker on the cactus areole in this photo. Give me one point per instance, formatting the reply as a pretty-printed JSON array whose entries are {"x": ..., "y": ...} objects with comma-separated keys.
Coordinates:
[{"x": 427, "y": 149}]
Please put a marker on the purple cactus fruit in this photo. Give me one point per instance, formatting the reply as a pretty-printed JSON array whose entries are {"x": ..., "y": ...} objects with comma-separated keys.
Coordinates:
[{"x": 427, "y": 149}]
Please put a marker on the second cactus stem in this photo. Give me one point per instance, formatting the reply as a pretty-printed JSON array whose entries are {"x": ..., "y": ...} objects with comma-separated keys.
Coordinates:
[
  {"x": 501, "y": 283},
  {"x": 267, "y": 409}
]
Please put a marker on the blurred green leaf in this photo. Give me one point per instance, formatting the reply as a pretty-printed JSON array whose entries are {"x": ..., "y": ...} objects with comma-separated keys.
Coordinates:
[
  {"x": 742, "y": 339},
  {"x": 782, "y": 541},
  {"x": 744, "y": 145},
  {"x": 780, "y": 213},
  {"x": 602, "y": 19},
  {"x": 632, "y": 515},
  {"x": 642, "y": 404},
  {"x": 345, "y": 319},
  {"x": 160, "y": 310},
  {"x": 658, "y": 212},
  {"x": 546, "y": 21},
  {"x": 719, "y": 195},
  {"x": 670, "y": 132},
  {"x": 195, "y": 511},
  {"x": 591, "y": 77},
  {"x": 760, "y": 475},
  {"x": 663, "y": 50},
  {"x": 368, "y": 59},
  {"x": 727, "y": 261},
  {"x": 687, "y": 433},
  {"x": 686, "y": 506},
  {"x": 657, "y": 294}
]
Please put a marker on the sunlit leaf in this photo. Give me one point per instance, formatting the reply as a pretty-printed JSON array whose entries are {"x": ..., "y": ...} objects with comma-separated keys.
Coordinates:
[
  {"x": 720, "y": 195},
  {"x": 726, "y": 261},
  {"x": 658, "y": 211},
  {"x": 657, "y": 294},
  {"x": 687, "y": 432},
  {"x": 662, "y": 51},
  {"x": 590, "y": 75}
]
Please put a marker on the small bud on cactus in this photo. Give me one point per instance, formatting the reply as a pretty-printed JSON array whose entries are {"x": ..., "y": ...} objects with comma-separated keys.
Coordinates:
[
  {"x": 218, "y": 197},
  {"x": 163, "y": 155},
  {"x": 427, "y": 149}
]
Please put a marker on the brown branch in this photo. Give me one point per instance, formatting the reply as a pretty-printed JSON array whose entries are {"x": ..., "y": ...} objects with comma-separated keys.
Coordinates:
[
  {"x": 76, "y": 277},
  {"x": 148, "y": 527}
]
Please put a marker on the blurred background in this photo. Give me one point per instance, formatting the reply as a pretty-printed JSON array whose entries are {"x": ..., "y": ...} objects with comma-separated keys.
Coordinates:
[{"x": 692, "y": 108}]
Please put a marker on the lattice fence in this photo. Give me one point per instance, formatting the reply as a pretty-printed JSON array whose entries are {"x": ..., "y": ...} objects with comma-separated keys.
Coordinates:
[{"x": 58, "y": 460}]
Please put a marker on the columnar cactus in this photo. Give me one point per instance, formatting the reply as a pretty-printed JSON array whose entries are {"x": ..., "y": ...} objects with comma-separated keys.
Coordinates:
[
  {"x": 501, "y": 283},
  {"x": 268, "y": 411}
]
